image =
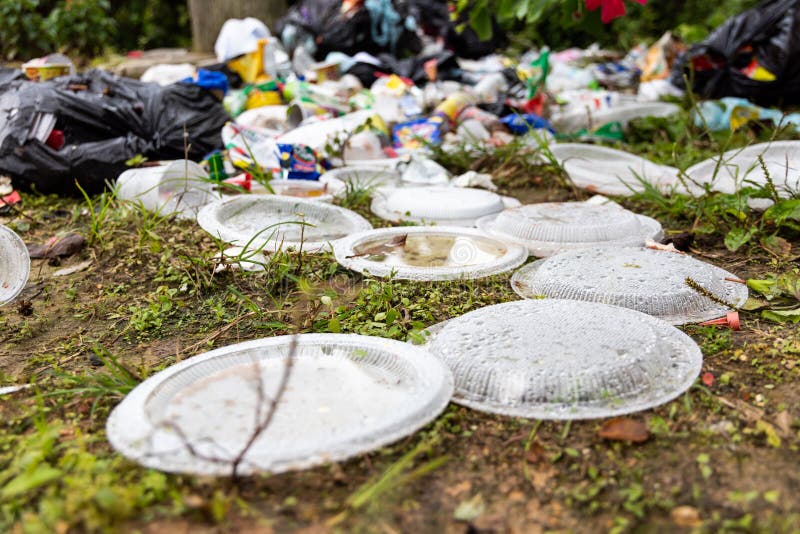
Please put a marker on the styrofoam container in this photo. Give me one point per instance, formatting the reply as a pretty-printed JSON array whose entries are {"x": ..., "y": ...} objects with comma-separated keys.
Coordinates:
[
  {"x": 647, "y": 280},
  {"x": 610, "y": 171},
  {"x": 428, "y": 253},
  {"x": 273, "y": 222},
  {"x": 15, "y": 265},
  {"x": 179, "y": 187},
  {"x": 565, "y": 359},
  {"x": 578, "y": 119},
  {"x": 551, "y": 227},
  {"x": 456, "y": 206},
  {"x": 740, "y": 168},
  {"x": 345, "y": 395}
]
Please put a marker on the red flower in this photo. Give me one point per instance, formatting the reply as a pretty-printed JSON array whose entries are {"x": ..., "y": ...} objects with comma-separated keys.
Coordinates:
[{"x": 611, "y": 8}]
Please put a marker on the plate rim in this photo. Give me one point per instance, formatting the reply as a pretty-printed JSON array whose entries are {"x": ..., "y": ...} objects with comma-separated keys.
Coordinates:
[
  {"x": 692, "y": 353},
  {"x": 207, "y": 219},
  {"x": 712, "y": 312},
  {"x": 514, "y": 257},
  {"x": 130, "y": 413}
]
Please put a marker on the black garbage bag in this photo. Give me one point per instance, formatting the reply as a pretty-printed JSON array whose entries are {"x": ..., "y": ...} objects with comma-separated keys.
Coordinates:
[
  {"x": 331, "y": 28},
  {"x": 754, "y": 55},
  {"x": 105, "y": 120}
]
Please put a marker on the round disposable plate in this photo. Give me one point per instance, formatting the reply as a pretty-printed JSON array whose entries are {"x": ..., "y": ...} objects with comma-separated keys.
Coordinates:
[
  {"x": 455, "y": 206},
  {"x": 321, "y": 191},
  {"x": 15, "y": 265},
  {"x": 428, "y": 253},
  {"x": 611, "y": 172},
  {"x": 345, "y": 395},
  {"x": 551, "y": 227},
  {"x": 646, "y": 280},
  {"x": 740, "y": 168},
  {"x": 364, "y": 177},
  {"x": 565, "y": 359},
  {"x": 275, "y": 222},
  {"x": 623, "y": 113}
]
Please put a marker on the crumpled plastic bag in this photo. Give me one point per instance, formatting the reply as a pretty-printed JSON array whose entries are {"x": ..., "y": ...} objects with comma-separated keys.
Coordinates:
[{"x": 752, "y": 55}]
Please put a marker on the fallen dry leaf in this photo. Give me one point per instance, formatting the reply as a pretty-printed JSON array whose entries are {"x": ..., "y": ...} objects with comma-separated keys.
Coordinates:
[
  {"x": 624, "y": 429},
  {"x": 746, "y": 412},
  {"x": 74, "y": 269},
  {"x": 534, "y": 453},
  {"x": 383, "y": 248},
  {"x": 784, "y": 422},
  {"x": 686, "y": 516}
]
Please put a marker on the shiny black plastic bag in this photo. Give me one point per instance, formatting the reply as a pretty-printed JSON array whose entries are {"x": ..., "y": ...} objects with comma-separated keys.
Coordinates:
[
  {"x": 754, "y": 55},
  {"x": 106, "y": 120}
]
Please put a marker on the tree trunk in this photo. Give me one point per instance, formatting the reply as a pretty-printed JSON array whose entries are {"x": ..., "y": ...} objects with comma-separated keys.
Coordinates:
[{"x": 208, "y": 16}]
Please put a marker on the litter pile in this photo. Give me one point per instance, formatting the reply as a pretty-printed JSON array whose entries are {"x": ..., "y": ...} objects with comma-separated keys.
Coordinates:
[{"x": 289, "y": 123}]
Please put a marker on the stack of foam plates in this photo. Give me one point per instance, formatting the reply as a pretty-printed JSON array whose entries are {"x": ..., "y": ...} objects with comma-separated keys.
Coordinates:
[
  {"x": 15, "y": 265},
  {"x": 611, "y": 172},
  {"x": 650, "y": 281},
  {"x": 565, "y": 359},
  {"x": 363, "y": 177},
  {"x": 548, "y": 228},
  {"x": 428, "y": 253},
  {"x": 273, "y": 222},
  {"x": 345, "y": 395},
  {"x": 740, "y": 168},
  {"x": 454, "y": 206}
]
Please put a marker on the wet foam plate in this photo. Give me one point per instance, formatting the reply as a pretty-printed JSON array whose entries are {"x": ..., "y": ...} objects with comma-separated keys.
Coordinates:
[
  {"x": 275, "y": 222},
  {"x": 15, "y": 265},
  {"x": 454, "y": 206},
  {"x": 565, "y": 359},
  {"x": 428, "y": 253},
  {"x": 650, "y": 281},
  {"x": 611, "y": 172},
  {"x": 740, "y": 168},
  {"x": 552, "y": 227},
  {"x": 345, "y": 395}
]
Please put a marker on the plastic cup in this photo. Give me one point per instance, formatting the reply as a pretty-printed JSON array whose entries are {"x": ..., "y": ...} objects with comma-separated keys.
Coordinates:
[
  {"x": 15, "y": 265},
  {"x": 179, "y": 187}
]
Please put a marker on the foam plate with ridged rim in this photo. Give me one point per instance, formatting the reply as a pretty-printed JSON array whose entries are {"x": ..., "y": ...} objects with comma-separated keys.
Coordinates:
[
  {"x": 647, "y": 280},
  {"x": 610, "y": 171},
  {"x": 428, "y": 253},
  {"x": 276, "y": 222},
  {"x": 552, "y": 227},
  {"x": 454, "y": 206},
  {"x": 740, "y": 168},
  {"x": 15, "y": 265},
  {"x": 346, "y": 395},
  {"x": 565, "y": 359}
]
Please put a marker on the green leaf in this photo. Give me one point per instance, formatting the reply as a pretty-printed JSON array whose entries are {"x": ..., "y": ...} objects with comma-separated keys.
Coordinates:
[
  {"x": 768, "y": 288},
  {"x": 30, "y": 480},
  {"x": 481, "y": 22},
  {"x": 789, "y": 283},
  {"x": 738, "y": 237},
  {"x": 334, "y": 325},
  {"x": 782, "y": 316},
  {"x": 782, "y": 211}
]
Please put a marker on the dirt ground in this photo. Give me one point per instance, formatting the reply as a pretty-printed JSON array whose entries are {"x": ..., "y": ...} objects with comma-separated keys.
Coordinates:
[{"x": 722, "y": 457}]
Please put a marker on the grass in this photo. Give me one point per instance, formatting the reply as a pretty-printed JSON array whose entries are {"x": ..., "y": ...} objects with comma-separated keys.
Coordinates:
[{"x": 155, "y": 294}]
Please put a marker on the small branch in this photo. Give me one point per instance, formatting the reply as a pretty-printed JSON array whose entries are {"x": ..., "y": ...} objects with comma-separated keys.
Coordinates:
[{"x": 262, "y": 425}]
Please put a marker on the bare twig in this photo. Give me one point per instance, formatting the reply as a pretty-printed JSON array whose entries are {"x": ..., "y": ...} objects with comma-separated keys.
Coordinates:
[{"x": 262, "y": 423}]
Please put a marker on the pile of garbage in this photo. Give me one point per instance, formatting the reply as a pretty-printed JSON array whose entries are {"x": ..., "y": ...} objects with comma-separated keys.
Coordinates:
[
  {"x": 289, "y": 122},
  {"x": 379, "y": 83}
]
